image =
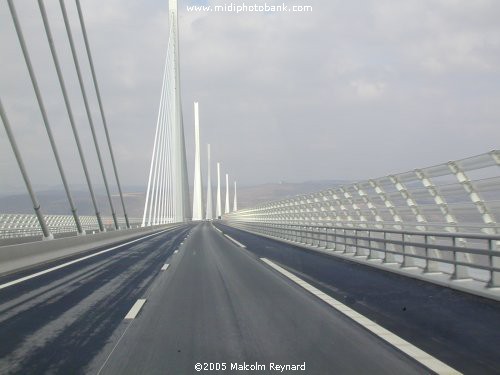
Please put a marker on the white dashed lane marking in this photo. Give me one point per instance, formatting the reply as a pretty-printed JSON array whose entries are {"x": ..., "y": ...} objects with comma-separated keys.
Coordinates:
[{"x": 135, "y": 309}]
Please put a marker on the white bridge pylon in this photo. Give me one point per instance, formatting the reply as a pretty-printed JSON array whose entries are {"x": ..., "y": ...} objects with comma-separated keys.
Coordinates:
[
  {"x": 197, "y": 185},
  {"x": 167, "y": 196}
]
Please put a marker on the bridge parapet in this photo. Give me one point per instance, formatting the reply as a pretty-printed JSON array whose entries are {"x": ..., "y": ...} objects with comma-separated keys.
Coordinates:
[
  {"x": 437, "y": 220},
  {"x": 24, "y": 227}
]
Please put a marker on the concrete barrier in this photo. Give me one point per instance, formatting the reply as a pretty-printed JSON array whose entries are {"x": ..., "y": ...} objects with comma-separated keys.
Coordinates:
[{"x": 17, "y": 257}]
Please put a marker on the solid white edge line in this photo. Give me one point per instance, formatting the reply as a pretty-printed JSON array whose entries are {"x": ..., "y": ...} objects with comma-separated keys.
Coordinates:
[
  {"x": 409, "y": 349},
  {"x": 164, "y": 267},
  {"x": 135, "y": 309},
  {"x": 217, "y": 229},
  {"x": 236, "y": 242},
  {"x": 20, "y": 280}
]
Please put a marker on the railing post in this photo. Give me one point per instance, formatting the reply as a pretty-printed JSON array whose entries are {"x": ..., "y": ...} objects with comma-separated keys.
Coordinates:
[
  {"x": 327, "y": 239},
  {"x": 459, "y": 271},
  {"x": 403, "y": 249},
  {"x": 344, "y": 242},
  {"x": 494, "y": 261},
  {"x": 357, "y": 250},
  {"x": 431, "y": 265},
  {"x": 369, "y": 256},
  {"x": 388, "y": 257},
  {"x": 353, "y": 243}
]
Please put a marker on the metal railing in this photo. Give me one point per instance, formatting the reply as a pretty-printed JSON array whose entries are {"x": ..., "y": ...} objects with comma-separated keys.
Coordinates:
[
  {"x": 437, "y": 219},
  {"x": 430, "y": 252},
  {"x": 25, "y": 225}
]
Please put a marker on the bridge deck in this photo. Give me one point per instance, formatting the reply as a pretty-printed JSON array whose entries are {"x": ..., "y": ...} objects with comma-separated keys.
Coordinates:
[
  {"x": 215, "y": 302},
  {"x": 458, "y": 328}
]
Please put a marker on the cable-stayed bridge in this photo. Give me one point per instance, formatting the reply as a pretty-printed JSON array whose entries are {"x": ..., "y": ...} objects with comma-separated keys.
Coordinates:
[{"x": 396, "y": 274}]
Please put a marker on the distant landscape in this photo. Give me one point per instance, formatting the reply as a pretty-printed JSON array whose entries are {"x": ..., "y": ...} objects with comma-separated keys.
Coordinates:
[{"x": 53, "y": 201}]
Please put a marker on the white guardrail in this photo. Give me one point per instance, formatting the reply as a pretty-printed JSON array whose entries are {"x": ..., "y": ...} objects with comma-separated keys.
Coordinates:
[
  {"x": 26, "y": 225},
  {"x": 440, "y": 219}
]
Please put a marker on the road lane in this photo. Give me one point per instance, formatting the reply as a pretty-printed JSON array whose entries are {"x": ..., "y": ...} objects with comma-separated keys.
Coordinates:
[
  {"x": 217, "y": 303},
  {"x": 460, "y": 329},
  {"x": 59, "y": 321},
  {"x": 51, "y": 266}
]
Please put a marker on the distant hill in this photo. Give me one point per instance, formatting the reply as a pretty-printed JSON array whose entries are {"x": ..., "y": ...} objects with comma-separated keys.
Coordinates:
[
  {"x": 55, "y": 201},
  {"x": 249, "y": 196}
]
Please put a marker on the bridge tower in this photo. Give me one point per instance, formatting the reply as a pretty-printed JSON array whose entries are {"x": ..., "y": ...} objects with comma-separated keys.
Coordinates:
[
  {"x": 197, "y": 184},
  {"x": 209, "y": 214},
  {"x": 218, "y": 206},
  {"x": 167, "y": 196},
  {"x": 227, "y": 208},
  {"x": 235, "y": 202}
]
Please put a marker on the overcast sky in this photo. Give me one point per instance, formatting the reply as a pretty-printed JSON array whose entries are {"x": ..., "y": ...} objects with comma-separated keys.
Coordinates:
[{"x": 353, "y": 90}]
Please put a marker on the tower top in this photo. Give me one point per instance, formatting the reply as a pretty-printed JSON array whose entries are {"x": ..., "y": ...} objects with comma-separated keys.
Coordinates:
[{"x": 172, "y": 6}]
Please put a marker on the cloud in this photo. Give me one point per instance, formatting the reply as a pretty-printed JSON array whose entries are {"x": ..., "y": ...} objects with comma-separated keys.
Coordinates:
[
  {"x": 282, "y": 96},
  {"x": 368, "y": 90}
]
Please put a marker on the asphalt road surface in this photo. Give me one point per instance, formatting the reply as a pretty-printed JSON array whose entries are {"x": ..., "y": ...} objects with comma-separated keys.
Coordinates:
[
  {"x": 58, "y": 322},
  {"x": 216, "y": 303},
  {"x": 457, "y": 328}
]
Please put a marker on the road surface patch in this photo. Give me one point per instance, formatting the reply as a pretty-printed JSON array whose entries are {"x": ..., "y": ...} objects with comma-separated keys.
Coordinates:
[
  {"x": 410, "y": 350},
  {"x": 25, "y": 278}
]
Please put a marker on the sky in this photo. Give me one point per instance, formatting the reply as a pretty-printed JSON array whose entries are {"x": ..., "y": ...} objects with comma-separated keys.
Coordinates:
[{"x": 352, "y": 90}]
